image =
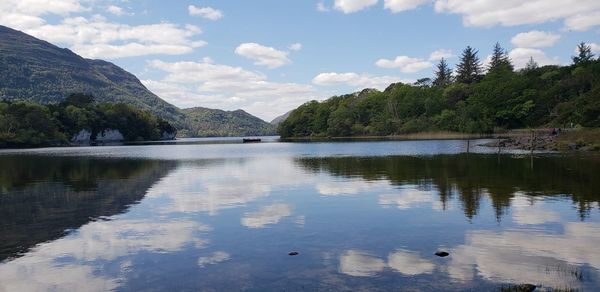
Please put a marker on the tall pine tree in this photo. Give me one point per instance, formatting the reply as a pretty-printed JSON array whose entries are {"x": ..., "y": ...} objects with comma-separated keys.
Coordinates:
[
  {"x": 584, "y": 54},
  {"x": 469, "y": 69},
  {"x": 500, "y": 60},
  {"x": 443, "y": 74}
]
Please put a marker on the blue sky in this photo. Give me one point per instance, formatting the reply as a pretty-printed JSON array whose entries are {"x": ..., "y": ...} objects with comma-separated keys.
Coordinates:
[{"x": 269, "y": 56}]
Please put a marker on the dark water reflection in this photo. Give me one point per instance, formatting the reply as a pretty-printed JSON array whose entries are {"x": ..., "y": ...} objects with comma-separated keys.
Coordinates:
[{"x": 360, "y": 222}]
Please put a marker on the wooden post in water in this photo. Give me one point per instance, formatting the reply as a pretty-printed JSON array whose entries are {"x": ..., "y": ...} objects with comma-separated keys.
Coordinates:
[{"x": 532, "y": 146}]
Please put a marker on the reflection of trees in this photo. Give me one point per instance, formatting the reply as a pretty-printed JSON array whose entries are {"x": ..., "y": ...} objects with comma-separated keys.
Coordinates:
[
  {"x": 472, "y": 176},
  {"x": 41, "y": 197}
]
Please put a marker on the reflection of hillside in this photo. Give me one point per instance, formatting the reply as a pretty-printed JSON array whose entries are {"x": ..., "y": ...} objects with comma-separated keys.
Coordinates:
[
  {"x": 41, "y": 197},
  {"x": 471, "y": 176}
]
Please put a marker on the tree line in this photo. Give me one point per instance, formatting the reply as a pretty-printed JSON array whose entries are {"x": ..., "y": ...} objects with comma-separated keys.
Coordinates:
[
  {"x": 27, "y": 124},
  {"x": 471, "y": 98}
]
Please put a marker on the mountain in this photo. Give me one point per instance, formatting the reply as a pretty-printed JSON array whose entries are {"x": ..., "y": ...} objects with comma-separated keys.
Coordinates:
[
  {"x": 35, "y": 70},
  {"x": 280, "y": 119},
  {"x": 207, "y": 122}
]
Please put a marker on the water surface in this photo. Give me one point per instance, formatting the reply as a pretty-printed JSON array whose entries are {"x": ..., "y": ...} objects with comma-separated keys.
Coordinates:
[{"x": 213, "y": 216}]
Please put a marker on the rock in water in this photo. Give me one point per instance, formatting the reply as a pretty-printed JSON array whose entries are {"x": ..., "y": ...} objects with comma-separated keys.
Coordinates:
[
  {"x": 293, "y": 253},
  {"x": 441, "y": 254}
]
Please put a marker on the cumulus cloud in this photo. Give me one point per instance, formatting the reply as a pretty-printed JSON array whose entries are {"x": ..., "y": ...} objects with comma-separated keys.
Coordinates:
[
  {"x": 441, "y": 53},
  {"x": 355, "y": 80},
  {"x": 205, "y": 12},
  {"x": 228, "y": 87},
  {"x": 403, "y": 5},
  {"x": 359, "y": 263},
  {"x": 520, "y": 57},
  {"x": 535, "y": 39},
  {"x": 405, "y": 64},
  {"x": 116, "y": 10},
  {"x": 321, "y": 7},
  {"x": 96, "y": 36},
  {"x": 267, "y": 215},
  {"x": 410, "y": 198},
  {"x": 295, "y": 47},
  {"x": 263, "y": 55},
  {"x": 581, "y": 16},
  {"x": 213, "y": 259},
  {"x": 351, "y": 6}
]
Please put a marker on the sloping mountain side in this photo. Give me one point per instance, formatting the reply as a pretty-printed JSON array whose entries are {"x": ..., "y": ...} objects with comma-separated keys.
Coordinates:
[
  {"x": 37, "y": 71},
  {"x": 205, "y": 122},
  {"x": 466, "y": 101},
  {"x": 278, "y": 120}
]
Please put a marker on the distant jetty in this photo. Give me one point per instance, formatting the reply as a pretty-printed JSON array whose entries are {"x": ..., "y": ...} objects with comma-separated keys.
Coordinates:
[{"x": 251, "y": 140}]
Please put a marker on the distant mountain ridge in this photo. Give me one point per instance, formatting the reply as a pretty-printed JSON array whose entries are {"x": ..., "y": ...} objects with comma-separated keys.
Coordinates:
[
  {"x": 35, "y": 70},
  {"x": 213, "y": 123}
]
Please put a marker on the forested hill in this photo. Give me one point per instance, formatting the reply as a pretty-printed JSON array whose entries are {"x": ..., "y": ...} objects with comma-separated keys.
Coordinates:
[
  {"x": 205, "y": 122},
  {"x": 34, "y": 70},
  {"x": 37, "y": 71},
  {"x": 464, "y": 100}
]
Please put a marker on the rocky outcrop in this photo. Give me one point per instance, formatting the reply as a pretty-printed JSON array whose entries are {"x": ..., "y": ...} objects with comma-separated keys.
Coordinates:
[
  {"x": 83, "y": 137},
  {"x": 168, "y": 135},
  {"x": 109, "y": 135}
]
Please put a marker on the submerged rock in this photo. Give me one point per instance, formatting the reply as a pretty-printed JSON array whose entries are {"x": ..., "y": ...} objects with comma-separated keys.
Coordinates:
[
  {"x": 293, "y": 253},
  {"x": 441, "y": 254}
]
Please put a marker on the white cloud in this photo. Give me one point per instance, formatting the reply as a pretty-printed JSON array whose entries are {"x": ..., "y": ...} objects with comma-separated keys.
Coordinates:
[
  {"x": 351, "y": 6},
  {"x": 529, "y": 211},
  {"x": 577, "y": 16},
  {"x": 295, "y": 47},
  {"x": 360, "y": 264},
  {"x": 116, "y": 10},
  {"x": 403, "y": 5},
  {"x": 267, "y": 215},
  {"x": 409, "y": 263},
  {"x": 205, "y": 12},
  {"x": 226, "y": 87},
  {"x": 321, "y": 7},
  {"x": 356, "y": 80},
  {"x": 262, "y": 55},
  {"x": 410, "y": 198},
  {"x": 95, "y": 36},
  {"x": 535, "y": 39},
  {"x": 523, "y": 256},
  {"x": 214, "y": 258},
  {"x": 404, "y": 63},
  {"x": 520, "y": 57},
  {"x": 441, "y": 53}
]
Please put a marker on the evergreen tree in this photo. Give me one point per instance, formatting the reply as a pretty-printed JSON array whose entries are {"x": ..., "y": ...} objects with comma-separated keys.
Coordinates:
[
  {"x": 584, "y": 54},
  {"x": 443, "y": 74},
  {"x": 500, "y": 59},
  {"x": 531, "y": 65},
  {"x": 469, "y": 69}
]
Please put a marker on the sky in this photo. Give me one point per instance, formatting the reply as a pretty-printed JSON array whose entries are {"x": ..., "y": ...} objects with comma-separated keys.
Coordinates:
[{"x": 270, "y": 56}]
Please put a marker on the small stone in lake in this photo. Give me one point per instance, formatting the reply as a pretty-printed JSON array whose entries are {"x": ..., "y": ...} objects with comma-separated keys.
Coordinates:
[
  {"x": 293, "y": 253},
  {"x": 442, "y": 254}
]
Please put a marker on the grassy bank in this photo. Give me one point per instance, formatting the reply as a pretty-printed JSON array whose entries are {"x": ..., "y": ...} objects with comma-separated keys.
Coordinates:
[
  {"x": 438, "y": 135},
  {"x": 580, "y": 139}
]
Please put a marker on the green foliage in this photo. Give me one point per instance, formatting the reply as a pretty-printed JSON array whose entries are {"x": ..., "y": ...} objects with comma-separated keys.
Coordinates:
[
  {"x": 205, "y": 122},
  {"x": 502, "y": 99},
  {"x": 468, "y": 69},
  {"x": 25, "y": 124},
  {"x": 584, "y": 54},
  {"x": 443, "y": 74}
]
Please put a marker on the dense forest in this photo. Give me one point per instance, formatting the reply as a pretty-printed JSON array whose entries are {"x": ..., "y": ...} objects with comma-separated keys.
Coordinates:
[
  {"x": 26, "y": 124},
  {"x": 470, "y": 99}
]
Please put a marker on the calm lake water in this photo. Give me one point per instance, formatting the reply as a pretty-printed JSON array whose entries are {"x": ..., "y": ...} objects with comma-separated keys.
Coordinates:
[{"x": 215, "y": 215}]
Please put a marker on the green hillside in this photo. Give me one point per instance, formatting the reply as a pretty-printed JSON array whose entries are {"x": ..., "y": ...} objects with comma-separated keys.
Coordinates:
[{"x": 204, "y": 122}]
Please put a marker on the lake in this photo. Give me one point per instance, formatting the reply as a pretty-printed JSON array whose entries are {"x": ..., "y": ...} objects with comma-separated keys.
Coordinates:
[{"x": 219, "y": 215}]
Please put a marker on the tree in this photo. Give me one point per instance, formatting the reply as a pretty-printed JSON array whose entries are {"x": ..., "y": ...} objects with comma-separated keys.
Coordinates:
[
  {"x": 500, "y": 59},
  {"x": 443, "y": 74},
  {"x": 469, "y": 69},
  {"x": 531, "y": 65},
  {"x": 584, "y": 54}
]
